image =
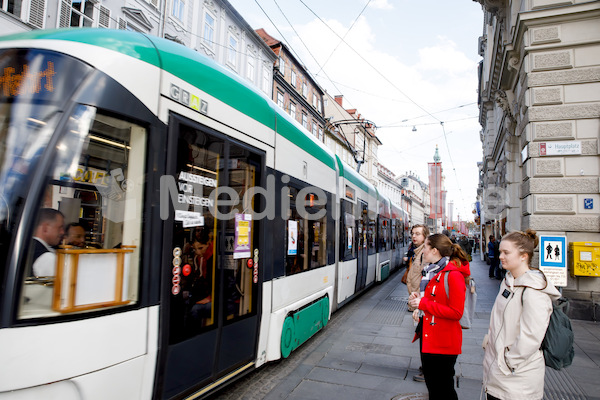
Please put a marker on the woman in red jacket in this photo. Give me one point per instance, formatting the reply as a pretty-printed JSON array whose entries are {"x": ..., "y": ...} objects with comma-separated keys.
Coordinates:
[{"x": 439, "y": 313}]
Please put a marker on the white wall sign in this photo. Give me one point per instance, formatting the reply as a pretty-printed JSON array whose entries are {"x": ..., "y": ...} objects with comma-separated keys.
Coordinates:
[{"x": 560, "y": 148}]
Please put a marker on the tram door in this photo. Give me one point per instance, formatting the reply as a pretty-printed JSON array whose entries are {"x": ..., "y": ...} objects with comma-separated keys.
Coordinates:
[
  {"x": 212, "y": 286},
  {"x": 362, "y": 261}
]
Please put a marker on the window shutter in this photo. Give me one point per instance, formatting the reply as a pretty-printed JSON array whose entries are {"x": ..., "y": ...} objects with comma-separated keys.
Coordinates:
[
  {"x": 104, "y": 20},
  {"x": 122, "y": 24},
  {"x": 65, "y": 14},
  {"x": 36, "y": 13}
]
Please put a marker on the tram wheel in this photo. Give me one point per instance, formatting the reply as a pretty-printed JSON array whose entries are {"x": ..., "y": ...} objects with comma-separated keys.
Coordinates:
[{"x": 288, "y": 337}]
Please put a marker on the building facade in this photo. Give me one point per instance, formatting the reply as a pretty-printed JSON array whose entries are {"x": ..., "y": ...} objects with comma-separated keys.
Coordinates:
[
  {"x": 211, "y": 27},
  {"x": 351, "y": 137},
  {"x": 294, "y": 90},
  {"x": 539, "y": 98},
  {"x": 416, "y": 197}
]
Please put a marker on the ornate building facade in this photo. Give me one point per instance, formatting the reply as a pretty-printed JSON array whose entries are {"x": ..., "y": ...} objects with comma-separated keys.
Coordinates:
[{"x": 539, "y": 99}]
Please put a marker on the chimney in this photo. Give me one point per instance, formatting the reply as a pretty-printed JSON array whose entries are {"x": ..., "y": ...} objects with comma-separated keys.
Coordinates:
[{"x": 339, "y": 99}]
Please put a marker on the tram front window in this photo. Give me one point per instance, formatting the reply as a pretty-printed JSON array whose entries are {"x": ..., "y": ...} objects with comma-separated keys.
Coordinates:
[{"x": 94, "y": 189}]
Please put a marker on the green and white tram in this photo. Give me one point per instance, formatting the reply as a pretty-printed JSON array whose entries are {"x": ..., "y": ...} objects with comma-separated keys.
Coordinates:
[{"x": 211, "y": 223}]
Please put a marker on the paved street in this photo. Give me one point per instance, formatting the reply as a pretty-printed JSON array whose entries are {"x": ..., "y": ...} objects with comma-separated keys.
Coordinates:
[{"x": 365, "y": 352}]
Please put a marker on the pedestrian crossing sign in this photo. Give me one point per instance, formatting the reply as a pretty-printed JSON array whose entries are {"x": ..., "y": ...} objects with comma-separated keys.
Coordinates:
[{"x": 553, "y": 258}]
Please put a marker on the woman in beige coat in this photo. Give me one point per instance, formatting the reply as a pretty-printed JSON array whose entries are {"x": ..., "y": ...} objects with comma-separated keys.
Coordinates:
[{"x": 513, "y": 365}]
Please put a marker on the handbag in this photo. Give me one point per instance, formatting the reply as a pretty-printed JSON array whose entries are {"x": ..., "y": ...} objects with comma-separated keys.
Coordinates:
[{"x": 405, "y": 276}]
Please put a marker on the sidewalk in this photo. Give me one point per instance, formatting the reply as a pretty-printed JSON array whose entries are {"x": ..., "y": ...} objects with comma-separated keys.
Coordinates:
[{"x": 366, "y": 352}]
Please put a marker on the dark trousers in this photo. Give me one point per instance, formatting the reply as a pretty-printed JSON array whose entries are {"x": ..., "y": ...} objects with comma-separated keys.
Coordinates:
[
  {"x": 438, "y": 370},
  {"x": 494, "y": 271},
  {"x": 490, "y": 397}
]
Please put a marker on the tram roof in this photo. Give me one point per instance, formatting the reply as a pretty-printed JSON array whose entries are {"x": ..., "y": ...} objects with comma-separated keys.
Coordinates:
[{"x": 196, "y": 69}]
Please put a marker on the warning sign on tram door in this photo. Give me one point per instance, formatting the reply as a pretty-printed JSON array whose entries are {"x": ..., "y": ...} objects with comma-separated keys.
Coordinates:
[{"x": 553, "y": 259}]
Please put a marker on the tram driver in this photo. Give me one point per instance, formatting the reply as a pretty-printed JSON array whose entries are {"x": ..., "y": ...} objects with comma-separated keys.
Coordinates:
[{"x": 48, "y": 234}]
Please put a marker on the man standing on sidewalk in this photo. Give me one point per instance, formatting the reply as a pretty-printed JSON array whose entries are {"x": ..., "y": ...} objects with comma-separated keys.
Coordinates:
[{"x": 494, "y": 271}]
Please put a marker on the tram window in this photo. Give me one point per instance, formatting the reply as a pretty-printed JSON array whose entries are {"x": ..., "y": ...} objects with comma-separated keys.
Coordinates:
[
  {"x": 384, "y": 236},
  {"x": 372, "y": 233},
  {"x": 348, "y": 228},
  {"x": 96, "y": 181},
  {"x": 306, "y": 244}
]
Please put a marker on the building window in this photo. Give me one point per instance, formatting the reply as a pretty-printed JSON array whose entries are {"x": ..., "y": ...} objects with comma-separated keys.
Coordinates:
[
  {"x": 294, "y": 79},
  {"x": 292, "y": 110},
  {"x": 281, "y": 65},
  {"x": 13, "y": 7},
  {"x": 319, "y": 108},
  {"x": 305, "y": 120},
  {"x": 250, "y": 66},
  {"x": 209, "y": 29},
  {"x": 178, "y": 9},
  {"x": 314, "y": 129},
  {"x": 232, "y": 51},
  {"x": 314, "y": 100},
  {"x": 321, "y": 138},
  {"x": 280, "y": 99},
  {"x": 304, "y": 90},
  {"x": 82, "y": 13}
]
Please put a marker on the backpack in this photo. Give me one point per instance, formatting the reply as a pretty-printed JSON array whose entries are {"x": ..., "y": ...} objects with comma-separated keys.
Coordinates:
[
  {"x": 470, "y": 301},
  {"x": 557, "y": 345}
]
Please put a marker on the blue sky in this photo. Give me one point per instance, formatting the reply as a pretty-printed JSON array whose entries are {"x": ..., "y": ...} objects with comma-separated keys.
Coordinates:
[{"x": 402, "y": 63}]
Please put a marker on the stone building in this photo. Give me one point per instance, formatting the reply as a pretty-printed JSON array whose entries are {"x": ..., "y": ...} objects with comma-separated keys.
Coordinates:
[
  {"x": 539, "y": 98},
  {"x": 415, "y": 195},
  {"x": 294, "y": 90},
  {"x": 211, "y": 27},
  {"x": 351, "y": 137}
]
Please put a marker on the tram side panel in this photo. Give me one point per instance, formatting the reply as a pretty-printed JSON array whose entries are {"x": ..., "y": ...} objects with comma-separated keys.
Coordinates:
[{"x": 304, "y": 259}]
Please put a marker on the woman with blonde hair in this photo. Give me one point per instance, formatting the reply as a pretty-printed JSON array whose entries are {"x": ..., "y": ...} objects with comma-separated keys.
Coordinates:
[
  {"x": 439, "y": 312},
  {"x": 513, "y": 364}
]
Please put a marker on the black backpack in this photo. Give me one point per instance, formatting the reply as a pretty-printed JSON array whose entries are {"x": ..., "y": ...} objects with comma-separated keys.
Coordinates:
[{"x": 558, "y": 342}]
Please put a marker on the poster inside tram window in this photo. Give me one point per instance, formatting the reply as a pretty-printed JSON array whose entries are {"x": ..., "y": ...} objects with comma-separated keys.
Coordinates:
[
  {"x": 243, "y": 235},
  {"x": 292, "y": 238}
]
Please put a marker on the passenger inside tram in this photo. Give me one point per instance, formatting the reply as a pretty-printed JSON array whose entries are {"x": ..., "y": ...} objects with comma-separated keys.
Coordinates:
[
  {"x": 75, "y": 235},
  {"x": 201, "y": 290}
]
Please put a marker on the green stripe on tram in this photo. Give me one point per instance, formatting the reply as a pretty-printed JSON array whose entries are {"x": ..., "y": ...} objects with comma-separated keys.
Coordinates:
[{"x": 190, "y": 66}]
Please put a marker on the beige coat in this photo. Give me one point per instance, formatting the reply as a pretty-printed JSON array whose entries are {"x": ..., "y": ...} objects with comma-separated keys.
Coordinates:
[
  {"x": 513, "y": 364},
  {"x": 413, "y": 278}
]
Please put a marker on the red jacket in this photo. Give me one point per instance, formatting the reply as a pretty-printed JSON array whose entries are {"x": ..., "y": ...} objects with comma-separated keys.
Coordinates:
[{"x": 442, "y": 333}]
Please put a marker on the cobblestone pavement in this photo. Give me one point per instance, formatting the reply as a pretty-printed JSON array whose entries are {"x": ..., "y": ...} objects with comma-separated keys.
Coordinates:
[{"x": 365, "y": 352}]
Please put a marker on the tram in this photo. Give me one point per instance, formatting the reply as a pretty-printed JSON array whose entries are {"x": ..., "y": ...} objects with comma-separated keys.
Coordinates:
[{"x": 219, "y": 234}]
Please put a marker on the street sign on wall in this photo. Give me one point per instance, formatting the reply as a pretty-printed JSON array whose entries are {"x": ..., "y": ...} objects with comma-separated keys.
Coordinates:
[{"x": 553, "y": 259}]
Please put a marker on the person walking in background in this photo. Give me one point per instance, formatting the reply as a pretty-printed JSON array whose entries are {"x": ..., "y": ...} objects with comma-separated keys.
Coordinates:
[
  {"x": 494, "y": 271},
  {"x": 439, "y": 313},
  {"x": 513, "y": 364}
]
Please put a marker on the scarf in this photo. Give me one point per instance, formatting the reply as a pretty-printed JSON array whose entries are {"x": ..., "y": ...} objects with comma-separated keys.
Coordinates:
[{"x": 430, "y": 271}]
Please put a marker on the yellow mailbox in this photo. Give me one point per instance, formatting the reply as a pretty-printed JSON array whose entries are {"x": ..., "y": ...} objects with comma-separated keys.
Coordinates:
[{"x": 585, "y": 258}]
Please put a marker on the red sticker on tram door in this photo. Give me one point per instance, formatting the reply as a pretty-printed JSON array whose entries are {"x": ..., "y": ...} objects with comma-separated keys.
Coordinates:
[
  {"x": 187, "y": 270},
  {"x": 175, "y": 289},
  {"x": 249, "y": 263}
]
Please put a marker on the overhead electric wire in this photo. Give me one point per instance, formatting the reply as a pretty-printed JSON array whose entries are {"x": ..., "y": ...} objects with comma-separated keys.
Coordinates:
[
  {"x": 368, "y": 63},
  {"x": 346, "y": 34}
]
